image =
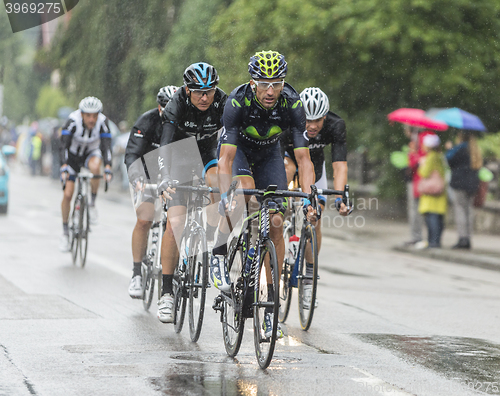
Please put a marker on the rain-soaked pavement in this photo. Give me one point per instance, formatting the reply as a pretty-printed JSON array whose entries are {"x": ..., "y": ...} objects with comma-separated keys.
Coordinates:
[
  {"x": 387, "y": 323},
  {"x": 471, "y": 362}
]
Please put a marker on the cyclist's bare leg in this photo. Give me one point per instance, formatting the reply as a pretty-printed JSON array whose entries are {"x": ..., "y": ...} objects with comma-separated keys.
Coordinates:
[
  {"x": 94, "y": 166},
  {"x": 317, "y": 226},
  {"x": 244, "y": 182},
  {"x": 145, "y": 215},
  {"x": 169, "y": 246},
  {"x": 276, "y": 234},
  {"x": 66, "y": 201},
  {"x": 290, "y": 169},
  {"x": 211, "y": 178}
]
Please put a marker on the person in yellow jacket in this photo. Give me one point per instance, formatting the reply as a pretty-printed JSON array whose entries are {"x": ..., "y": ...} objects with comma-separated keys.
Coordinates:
[
  {"x": 36, "y": 154},
  {"x": 433, "y": 207}
]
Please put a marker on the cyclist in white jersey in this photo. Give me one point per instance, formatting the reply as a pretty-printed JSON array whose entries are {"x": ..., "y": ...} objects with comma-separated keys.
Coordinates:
[{"x": 85, "y": 141}]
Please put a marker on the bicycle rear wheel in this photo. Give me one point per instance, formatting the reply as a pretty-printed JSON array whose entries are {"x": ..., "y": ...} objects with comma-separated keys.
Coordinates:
[
  {"x": 179, "y": 285},
  {"x": 266, "y": 304},
  {"x": 233, "y": 322},
  {"x": 306, "y": 309},
  {"x": 198, "y": 279},
  {"x": 285, "y": 291},
  {"x": 84, "y": 230}
]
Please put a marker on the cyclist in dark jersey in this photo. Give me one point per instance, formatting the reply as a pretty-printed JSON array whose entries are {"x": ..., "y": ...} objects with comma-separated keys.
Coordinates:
[
  {"x": 142, "y": 168},
  {"x": 255, "y": 115},
  {"x": 323, "y": 128},
  {"x": 194, "y": 112}
]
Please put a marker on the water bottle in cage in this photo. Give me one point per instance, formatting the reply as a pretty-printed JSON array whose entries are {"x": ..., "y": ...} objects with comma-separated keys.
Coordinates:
[
  {"x": 77, "y": 213},
  {"x": 294, "y": 246}
]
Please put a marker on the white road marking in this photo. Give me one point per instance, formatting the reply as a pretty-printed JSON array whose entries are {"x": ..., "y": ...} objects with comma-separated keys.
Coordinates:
[
  {"x": 109, "y": 264},
  {"x": 378, "y": 385}
]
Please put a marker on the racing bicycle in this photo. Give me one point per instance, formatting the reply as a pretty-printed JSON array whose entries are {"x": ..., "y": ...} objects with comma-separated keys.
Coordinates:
[
  {"x": 79, "y": 219},
  {"x": 254, "y": 278},
  {"x": 190, "y": 281},
  {"x": 295, "y": 273}
]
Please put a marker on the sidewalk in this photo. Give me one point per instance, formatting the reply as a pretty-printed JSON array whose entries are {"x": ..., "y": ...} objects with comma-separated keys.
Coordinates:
[{"x": 390, "y": 234}]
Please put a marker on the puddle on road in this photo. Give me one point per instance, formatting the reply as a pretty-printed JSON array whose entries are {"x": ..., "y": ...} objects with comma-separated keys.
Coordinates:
[
  {"x": 204, "y": 379},
  {"x": 473, "y": 362}
]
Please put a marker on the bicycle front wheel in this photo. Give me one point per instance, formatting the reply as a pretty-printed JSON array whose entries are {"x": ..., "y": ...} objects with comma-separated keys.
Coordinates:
[
  {"x": 233, "y": 322},
  {"x": 152, "y": 252},
  {"x": 179, "y": 285},
  {"x": 285, "y": 292},
  {"x": 198, "y": 279},
  {"x": 266, "y": 308},
  {"x": 84, "y": 231},
  {"x": 74, "y": 230},
  {"x": 307, "y": 280}
]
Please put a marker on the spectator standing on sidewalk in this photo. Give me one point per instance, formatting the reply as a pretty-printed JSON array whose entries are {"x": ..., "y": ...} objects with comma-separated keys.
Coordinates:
[
  {"x": 433, "y": 207},
  {"x": 465, "y": 160},
  {"x": 415, "y": 154}
]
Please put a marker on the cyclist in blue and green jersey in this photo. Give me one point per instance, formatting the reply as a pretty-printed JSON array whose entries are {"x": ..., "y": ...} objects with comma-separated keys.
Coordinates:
[{"x": 254, "y": 117}]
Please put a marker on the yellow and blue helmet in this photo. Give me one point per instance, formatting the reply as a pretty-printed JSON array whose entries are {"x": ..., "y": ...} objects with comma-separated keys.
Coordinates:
[{"x": 267, "y": 65}]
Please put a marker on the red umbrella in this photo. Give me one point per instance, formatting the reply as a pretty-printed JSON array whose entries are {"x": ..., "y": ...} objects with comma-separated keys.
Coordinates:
[{"x": 416, "y": 118}]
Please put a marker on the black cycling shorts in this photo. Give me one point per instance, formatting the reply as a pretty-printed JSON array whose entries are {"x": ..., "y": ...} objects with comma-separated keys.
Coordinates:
[{"x": 264, "y": 165}]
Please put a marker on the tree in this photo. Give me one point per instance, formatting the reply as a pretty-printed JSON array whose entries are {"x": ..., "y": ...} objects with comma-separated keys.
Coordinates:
[
  {"x": 373, "y": 56},
  {"x": 102, "y": 50}
]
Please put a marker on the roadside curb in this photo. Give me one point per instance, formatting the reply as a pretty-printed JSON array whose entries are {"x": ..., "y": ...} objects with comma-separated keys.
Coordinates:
[{"x": 458, "y": 257}]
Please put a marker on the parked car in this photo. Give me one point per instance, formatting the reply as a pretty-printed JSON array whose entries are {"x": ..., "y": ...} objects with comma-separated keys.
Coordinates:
[{"x": 4, "y": 177}]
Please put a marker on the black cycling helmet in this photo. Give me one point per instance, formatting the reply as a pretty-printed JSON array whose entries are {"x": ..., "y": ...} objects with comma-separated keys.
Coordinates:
[
  {"x": 197, "y": 72},
  {"x": 267, "y": 64},
  {"x": 165, "y": 95}
]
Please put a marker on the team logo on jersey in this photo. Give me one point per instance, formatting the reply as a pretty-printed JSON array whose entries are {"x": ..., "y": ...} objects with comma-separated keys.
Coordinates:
[
  {"x": 305, "y": 135},
  {"x": 235, "y": 103},
  {"x": 297, "y": 103},
  {"x": 252, "y": 132}
]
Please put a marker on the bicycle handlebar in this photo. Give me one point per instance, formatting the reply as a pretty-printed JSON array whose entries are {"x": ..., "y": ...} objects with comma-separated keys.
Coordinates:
[{"x": 84, "y": 175}]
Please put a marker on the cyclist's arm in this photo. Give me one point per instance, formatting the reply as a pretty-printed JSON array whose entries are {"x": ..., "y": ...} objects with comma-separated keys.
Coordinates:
[
  {"x": 306, "y": 168},
  {"x": 339, "y": 160},
  {"x": 67, "y": 133},
  {"x": 170, "y": 117},
  {"x": 232, "y": 118},
  {"x": 225, "y": 165},
  {"x": 105, "y": 146},
  {"x": 300, "y": 145},
  {"x": 136, "y": 146}
]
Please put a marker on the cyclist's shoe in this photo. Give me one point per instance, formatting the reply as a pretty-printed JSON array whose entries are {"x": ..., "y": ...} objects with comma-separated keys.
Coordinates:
[
  {"x": 267, "y": 326},
  {"x": 165, "y": 308},
  {"x": 135, "y": 287},
  {"x": 306, "y": 301},
  {"x": 218, "y": 273},
  {"x": 94, "y": 218},
  {"x": 64, "y": 245}
]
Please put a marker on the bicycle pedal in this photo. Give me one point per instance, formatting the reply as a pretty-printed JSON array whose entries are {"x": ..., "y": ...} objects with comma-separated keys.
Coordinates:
[{"x": 217, "y": 305}]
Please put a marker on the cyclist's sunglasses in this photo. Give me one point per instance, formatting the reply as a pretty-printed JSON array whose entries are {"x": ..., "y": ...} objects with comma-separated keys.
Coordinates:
[
  {"x": 200, "y": 92},
  {"x": 263, "y": 85}
]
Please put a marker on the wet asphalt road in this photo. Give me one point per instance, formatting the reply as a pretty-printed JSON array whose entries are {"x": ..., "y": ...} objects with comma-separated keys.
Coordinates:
[{"x": 387, "y": 323}]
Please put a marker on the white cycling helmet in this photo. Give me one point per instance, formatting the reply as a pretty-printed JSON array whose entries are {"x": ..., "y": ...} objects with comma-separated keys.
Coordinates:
[
  {"x": 90, "y": 104},
  {"x": 165, "y": 95},
  {"x": 316, "y": 103}
]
